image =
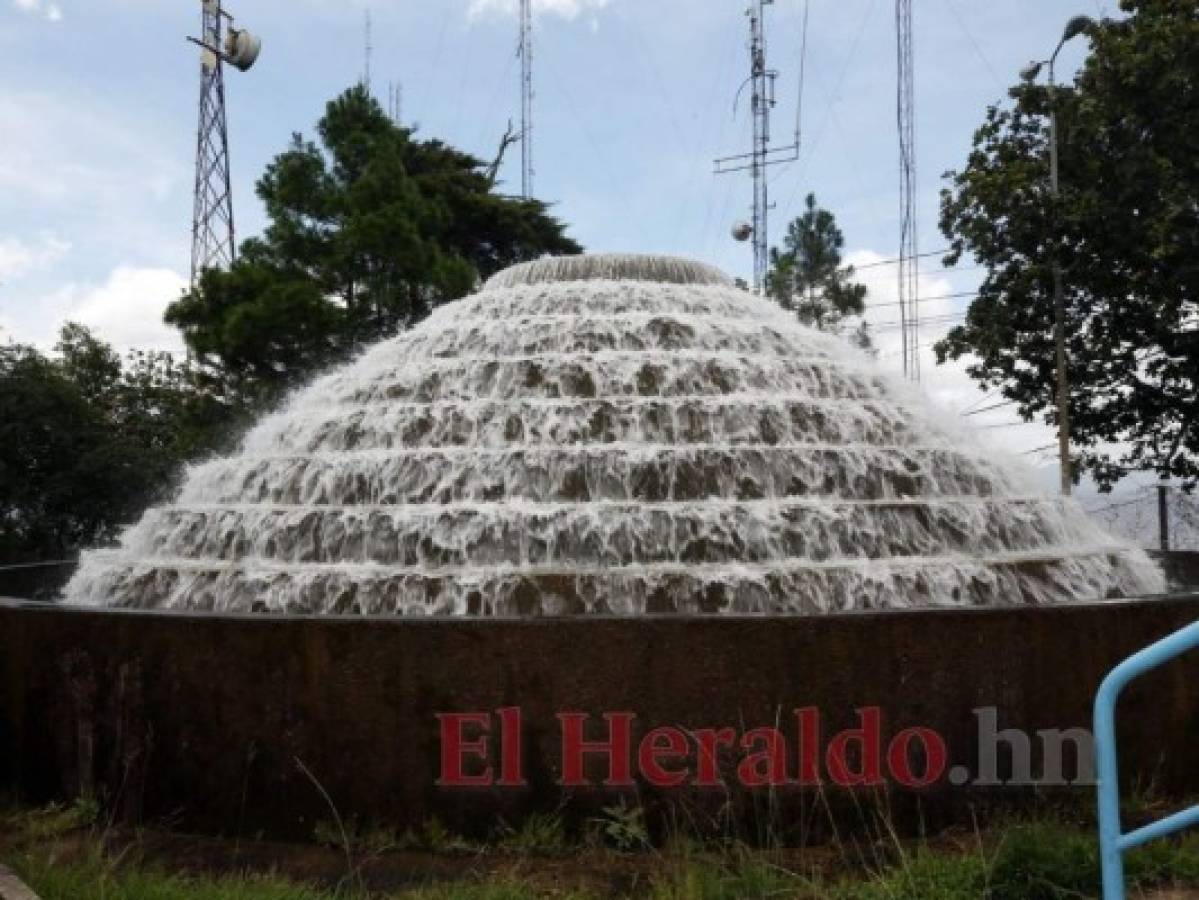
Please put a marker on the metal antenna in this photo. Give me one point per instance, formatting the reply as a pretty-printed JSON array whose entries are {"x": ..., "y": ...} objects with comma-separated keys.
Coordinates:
[
  {"x": 525, "y": 51},
  {"x": 909, "y": 252},
  {"x": 213, "y": 234},
  {"x": 762, "y": 156},
  {"x": 366, "y": 72},
  {"x": 212, "y": 216},
  {"x": 395, "y": 96}
]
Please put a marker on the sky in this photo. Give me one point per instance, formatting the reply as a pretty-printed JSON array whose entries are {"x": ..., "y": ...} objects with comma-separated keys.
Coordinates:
[{"x": 634, "y": 100}]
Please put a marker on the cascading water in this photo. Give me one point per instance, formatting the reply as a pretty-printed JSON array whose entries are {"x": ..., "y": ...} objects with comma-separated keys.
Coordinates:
[{"x": 608, "y": 434}]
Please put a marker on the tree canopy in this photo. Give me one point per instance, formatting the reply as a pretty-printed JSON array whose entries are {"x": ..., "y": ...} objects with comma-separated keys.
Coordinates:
[
  {"x": 807, "y": 277},
  {"x": 87, "y": 440},
  {"x": 1125, "y": 228},
  {"x": 369, "y": 229}
]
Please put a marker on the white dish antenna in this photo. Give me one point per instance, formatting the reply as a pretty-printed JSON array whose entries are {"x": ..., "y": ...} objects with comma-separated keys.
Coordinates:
[{"x": 242, "y": 49}]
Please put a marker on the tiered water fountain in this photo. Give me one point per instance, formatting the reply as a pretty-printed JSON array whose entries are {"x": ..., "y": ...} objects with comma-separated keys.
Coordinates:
[{"x": 609, "y": 434}]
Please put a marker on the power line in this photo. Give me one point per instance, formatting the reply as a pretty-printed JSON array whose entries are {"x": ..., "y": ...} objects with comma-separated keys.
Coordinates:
[
  {"x": 988, "y": 396},
  {"x": 832, "y": 99},
  {"x": 957, "y": 17},
  {"x": 1140, "y": 498},
  {"x": 900, "y": 352},
  {"x": 892, "y": 261},
  {"x": 803, "y": 58},
  {"x": 954, "y": 296},
  {"x": 986, "y": 409},
  {"x": 946, "y": 319}
]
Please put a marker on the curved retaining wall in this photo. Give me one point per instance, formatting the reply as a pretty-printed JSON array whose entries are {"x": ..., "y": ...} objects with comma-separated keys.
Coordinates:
[{"x": 205, "y": 719}]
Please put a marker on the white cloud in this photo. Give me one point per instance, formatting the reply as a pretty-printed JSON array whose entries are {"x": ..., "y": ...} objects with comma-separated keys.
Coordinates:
[
  {"x": 19, "y": 256},
  {"x": 566, "y": 9},
  {"x": 948, "y": 386},
  {"x": 50, "y": 11},
  {"x": 123, "y": 163},
  {"x": 125, "y": 310}
]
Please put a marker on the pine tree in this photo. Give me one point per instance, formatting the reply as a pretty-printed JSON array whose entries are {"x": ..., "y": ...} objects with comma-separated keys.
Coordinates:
[{"x": 806, "y": 276}]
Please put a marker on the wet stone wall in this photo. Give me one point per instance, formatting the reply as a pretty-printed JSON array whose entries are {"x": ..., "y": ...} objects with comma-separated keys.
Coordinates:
[{"x": 204, "y": 720}]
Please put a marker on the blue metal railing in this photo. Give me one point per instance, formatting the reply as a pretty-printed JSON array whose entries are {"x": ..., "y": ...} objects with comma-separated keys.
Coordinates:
[{"x": 1113, "y": 843}]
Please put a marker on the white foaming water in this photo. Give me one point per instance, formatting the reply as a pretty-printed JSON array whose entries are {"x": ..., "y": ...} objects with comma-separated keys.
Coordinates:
[{"x": 609, "y": 434}]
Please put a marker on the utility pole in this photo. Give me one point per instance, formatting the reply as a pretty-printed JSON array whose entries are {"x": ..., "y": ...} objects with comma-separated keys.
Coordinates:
[
  {"x": 761, "y": 80},
  {"x": 1163, "y": 517},
  {"x": 1076, "y": 26},
  {"x": 213, "y": 234},
  {"x": 1059, "y": 306},
  {"x": 909, "y": 253},
  {"x": 525, "y": 52}
]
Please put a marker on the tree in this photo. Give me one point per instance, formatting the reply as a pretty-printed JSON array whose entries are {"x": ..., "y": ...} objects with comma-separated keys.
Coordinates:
[
  {"x": 368, "y": 231},
  {"x": 56, "y": 468},
  {"x": 88, "y": 440},
  {"x": 1125, "y": 228},
  {"x": 807, "y": 278}
]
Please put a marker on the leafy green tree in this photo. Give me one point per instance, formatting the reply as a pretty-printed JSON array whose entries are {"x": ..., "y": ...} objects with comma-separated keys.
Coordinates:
[
  {"x": 57, "y": 468},
  {"x": 369, "y": 229},
  {"x": 87, "y": 440},
  {"x": 807, "y": 277},
  {"x": 1125, "y": 228}
]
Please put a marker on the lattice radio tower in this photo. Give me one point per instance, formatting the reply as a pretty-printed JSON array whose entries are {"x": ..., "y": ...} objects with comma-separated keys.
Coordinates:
[
  {"x": 212, "y": 217},
  {"x": 762, "y": 156},
  {"x": 525, "y": 51},
  {"x": 905, "y": 110},
  {"x": 368, "y": 51}
]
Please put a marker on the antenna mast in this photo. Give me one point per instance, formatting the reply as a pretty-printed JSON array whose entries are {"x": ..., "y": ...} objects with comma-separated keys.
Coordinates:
[
  {"x": 395, "y": 97},
  {"x": 212, "y": 211},
  {"x": 762, "y": 156},
  {"x": 526, "y": 99},
  {"x": 905, "y": 111},
  {"x": 212, "y": 215},
  {"x": 366, "y": 72}
]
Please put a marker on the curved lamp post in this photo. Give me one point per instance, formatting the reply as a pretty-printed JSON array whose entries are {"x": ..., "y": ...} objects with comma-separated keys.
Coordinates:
[{"x": 1076, "y": 26}]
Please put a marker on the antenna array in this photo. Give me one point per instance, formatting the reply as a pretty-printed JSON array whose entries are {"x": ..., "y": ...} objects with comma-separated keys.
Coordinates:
[
  {"x": 369, "y": 50},
  {"x": 213, "y": 234},
  {"x": 395, "y": 99},
  {"x": 525, "y": 51},
  {"x": 762, "y": 156},
  {"x": 909, "y": 252}
]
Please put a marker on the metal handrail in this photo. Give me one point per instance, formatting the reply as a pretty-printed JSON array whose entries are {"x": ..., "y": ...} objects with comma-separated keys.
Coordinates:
[{"x": 1113, "y": 842}]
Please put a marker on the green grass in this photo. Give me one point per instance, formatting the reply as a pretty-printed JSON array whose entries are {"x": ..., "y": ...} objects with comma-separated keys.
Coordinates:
[
  {"x": 926, "y": 875},
  {"x": 502, "y": 889},
  {"x": 99, "y": 877},
  {"x": 61, "y": 853}
]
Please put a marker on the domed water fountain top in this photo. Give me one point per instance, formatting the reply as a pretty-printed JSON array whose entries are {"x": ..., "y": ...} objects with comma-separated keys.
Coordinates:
[{"x": 608, "y": 434}]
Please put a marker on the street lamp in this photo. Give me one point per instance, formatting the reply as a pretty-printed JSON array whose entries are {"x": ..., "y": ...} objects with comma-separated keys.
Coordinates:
[{"x": 1076, "y": 26}]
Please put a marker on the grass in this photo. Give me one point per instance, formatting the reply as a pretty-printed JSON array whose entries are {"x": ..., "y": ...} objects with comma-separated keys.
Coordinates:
[
  {"x": 98, "y": 877},
  {"x": 65, "y": 853}
]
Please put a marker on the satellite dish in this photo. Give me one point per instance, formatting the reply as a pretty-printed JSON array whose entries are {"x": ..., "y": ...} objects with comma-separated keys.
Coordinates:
[
  {"x": 741, "y": 230},
  {"x": 242, "y": 49}
]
